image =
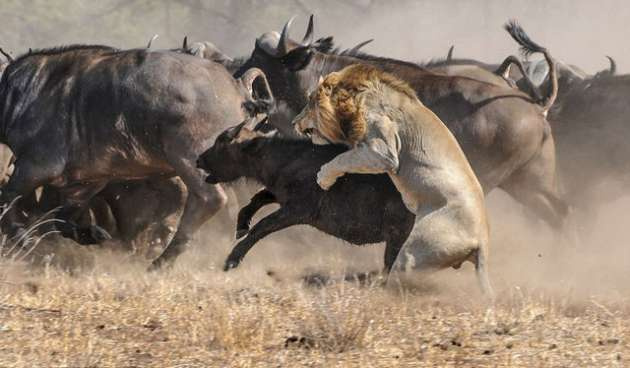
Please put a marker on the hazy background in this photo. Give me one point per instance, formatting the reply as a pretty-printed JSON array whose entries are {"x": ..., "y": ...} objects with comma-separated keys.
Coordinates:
[{"x": 579, "y": 32}]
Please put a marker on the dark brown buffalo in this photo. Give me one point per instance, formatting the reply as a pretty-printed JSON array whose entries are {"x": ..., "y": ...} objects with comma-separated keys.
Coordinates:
[
  {"x": 80, "y": 117},
  {"x": 502, "y": 131}
]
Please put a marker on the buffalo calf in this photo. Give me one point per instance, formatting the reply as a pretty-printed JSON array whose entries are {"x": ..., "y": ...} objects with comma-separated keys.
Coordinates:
[{"x": 360, "y": 209}]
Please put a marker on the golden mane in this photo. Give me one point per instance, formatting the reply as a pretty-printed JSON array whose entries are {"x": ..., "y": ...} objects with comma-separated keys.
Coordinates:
[{"x": 341, "y": 111}]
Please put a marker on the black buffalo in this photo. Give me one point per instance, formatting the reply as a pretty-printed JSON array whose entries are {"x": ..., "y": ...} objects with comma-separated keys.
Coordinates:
[
  {"x": 80, "y": 117},
  {"x": 360, "y": 209}
]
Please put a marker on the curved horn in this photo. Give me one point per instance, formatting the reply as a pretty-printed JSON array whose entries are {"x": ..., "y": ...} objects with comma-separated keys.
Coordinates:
[
  {"x": 185, "y": 43},
  {"x": 155, "y": 36},
  {"x": 256, "y": 106},
  {"x": 6, "y": 55},
  {"x": 250, "y": 76},
  {"x": 359, "y": 46},
  {"x": 449, "y": 56},
  {"x": 613, "y": 66},
  {"x": 308, "y": 36},
  {"x": 283, "y": 45}
]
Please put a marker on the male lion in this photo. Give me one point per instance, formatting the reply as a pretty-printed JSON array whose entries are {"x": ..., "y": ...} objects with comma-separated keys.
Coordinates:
[{"x": 391, "y": 131}]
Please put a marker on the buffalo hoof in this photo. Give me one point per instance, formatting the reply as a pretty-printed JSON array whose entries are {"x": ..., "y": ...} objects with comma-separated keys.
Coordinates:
[
  {"x": 241, "y": 233},
  {"x": 230, "y": 264},
  {"x": 160, "y": 263}
]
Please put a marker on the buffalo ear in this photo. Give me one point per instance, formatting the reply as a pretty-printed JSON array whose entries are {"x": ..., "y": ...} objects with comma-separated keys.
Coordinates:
[
  {"x": 325, "y": 44},
  {"x": 298, "y": 58}
]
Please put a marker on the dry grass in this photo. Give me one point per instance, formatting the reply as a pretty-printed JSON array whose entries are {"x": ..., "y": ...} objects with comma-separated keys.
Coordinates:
[
  {"x": 108, "y": 312},
  {"x": 207, "y": 318}
]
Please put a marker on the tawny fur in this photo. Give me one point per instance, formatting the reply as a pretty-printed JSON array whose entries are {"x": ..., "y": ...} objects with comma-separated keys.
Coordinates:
[
  {"x": 341, "y": 109},
  {"x": 391, "y": 131}
]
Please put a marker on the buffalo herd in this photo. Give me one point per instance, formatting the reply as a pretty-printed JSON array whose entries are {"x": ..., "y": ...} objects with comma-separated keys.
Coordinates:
[{"x": 112, "y": 142}]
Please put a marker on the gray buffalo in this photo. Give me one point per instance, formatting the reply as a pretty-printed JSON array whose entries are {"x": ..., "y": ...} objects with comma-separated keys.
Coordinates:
[
  {"x": 501, "y": 74},
  {"x": 80, "y": 117},
  {"x": 502, "y": 131},
  {"x": 528, "y": 76},
  {"x": 124, "y": 210},
  {"x": 591, "y": 127}
]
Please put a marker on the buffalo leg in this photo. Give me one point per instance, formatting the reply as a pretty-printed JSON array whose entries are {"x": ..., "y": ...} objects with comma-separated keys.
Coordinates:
[
  {"x": 259, "y": 200},
  {"x": 534, "y": 186},
  {"x": 276, "y": 221},
  {"x": 161, "y": 197},
  {"x": 75, "y": 202},
  {"x": 203, "y": 202},
  {"x": 392, "y": 248}
]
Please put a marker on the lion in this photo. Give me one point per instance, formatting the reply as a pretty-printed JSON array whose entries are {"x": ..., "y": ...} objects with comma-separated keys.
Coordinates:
[{"x": 388, "y": 130}]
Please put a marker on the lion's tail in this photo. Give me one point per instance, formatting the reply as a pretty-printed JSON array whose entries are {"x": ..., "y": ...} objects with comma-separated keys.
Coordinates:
[{"x": 481, "y": 268}]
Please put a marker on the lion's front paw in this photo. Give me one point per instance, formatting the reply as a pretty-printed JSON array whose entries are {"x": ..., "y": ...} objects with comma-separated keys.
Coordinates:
[{"x": 325, "y": 181}]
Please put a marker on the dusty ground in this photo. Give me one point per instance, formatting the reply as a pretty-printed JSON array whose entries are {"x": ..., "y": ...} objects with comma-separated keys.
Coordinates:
[
  {"x": 555, "y": 308},
  {"x": 188, "y": 318}
]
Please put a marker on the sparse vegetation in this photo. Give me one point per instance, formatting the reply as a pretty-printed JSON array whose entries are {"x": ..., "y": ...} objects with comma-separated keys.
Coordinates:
[
  {"x": 118, "y": 315},
  {"x": 90, "y": 307}
]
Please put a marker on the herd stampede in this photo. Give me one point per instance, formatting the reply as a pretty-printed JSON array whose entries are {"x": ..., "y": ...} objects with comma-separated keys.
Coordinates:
[{"x": 365, "y": 148}]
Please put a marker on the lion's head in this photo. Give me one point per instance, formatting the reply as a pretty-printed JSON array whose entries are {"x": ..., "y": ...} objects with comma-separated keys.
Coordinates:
[{"x": 335, "y": 112}]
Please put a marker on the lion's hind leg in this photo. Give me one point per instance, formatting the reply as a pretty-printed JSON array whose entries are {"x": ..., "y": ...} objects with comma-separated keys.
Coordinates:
[{"x": 440, "y": 239}]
